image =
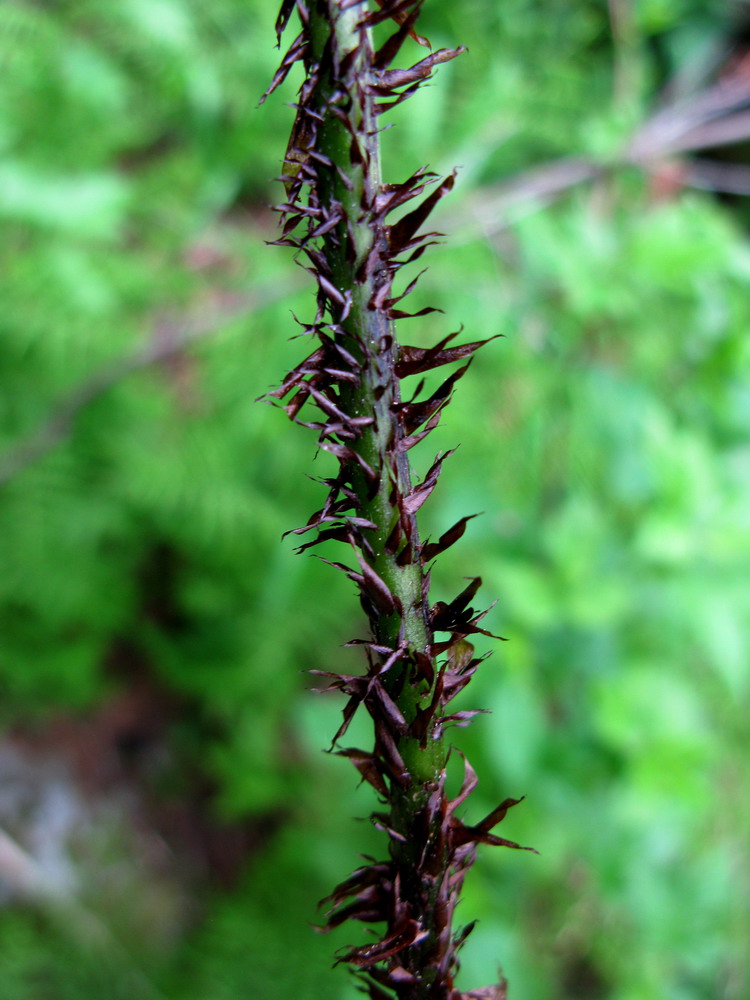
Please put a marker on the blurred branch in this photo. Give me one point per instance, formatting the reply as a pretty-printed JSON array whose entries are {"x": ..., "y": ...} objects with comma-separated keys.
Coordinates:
[
  {"x": 681, "y": 125},
  {"x": 728, "y": 178},
  {"x": 29, "y": 882},
  {"x": 718, "y": 116},
  {"x": 170, "y": 338},
  {"x": 530, "y": 191},
  {"x": 21, "y": 873}
]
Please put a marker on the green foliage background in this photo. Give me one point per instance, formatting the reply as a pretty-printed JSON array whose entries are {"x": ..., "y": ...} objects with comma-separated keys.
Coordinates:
[{"x": 606, "y": 439}]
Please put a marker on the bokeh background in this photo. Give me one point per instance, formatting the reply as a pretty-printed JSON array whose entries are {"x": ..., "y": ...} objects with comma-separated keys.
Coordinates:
[{"x": 167, "y": 819}]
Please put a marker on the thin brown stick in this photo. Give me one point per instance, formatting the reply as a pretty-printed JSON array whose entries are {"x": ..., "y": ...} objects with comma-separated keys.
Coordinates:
[{"x": 169, "y": 339}]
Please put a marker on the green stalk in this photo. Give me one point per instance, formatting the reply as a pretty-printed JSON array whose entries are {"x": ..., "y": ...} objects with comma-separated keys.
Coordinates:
[
  {"x": 375, "y": 395},
  {"x": 337, "y": 200},
  {"x": 379, "y": 388}
]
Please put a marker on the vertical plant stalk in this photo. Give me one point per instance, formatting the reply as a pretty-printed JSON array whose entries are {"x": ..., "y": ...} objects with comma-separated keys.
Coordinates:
[{"x": 337, "y": 217}]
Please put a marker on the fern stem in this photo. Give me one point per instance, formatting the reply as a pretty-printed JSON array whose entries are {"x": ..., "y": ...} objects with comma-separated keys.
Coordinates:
[
  {"x": 337, "y": 199},
  {"x": 370, "y": 335}
]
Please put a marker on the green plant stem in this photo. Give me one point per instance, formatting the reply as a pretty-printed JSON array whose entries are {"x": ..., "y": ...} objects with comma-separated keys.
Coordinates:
[
  {"x": 375, "y": 395},
  {"x": 378, "y": 389}
]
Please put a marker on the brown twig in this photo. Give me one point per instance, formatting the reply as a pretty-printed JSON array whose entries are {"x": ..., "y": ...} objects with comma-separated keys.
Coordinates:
[
  {"x": 719, "y": 115},
  {"x": 170, "y": 338}
]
